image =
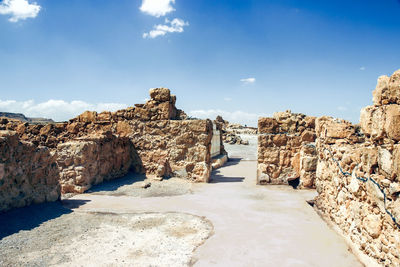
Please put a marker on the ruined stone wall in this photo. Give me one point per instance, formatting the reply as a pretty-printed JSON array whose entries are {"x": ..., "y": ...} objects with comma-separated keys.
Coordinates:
[
  {"x": 152, "y": 138},
  {"x": 90, "y": 160},
  {"x": 285, "y": 149},
  {"x": 28, "y": 173},
  {"x": 358, "y": 174},
  {"x": 171, "y": 147},
  {"x": 166, "y": 144}
]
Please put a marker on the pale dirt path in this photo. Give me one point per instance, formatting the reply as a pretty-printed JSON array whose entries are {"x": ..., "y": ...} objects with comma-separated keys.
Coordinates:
[{"x": 253, "y": 225}]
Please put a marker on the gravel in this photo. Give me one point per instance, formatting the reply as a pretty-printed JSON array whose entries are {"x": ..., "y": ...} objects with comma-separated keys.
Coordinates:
[
  {"x": 133, "y": 186},
  {"x": 108, "y": 239}
]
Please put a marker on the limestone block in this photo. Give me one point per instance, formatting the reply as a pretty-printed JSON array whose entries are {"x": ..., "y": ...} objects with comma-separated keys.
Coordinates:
[
  {"x": 160, "y": 94},
  {"x": 88, "y": 116},
  {"x": 385, "y": 160},
  {"x": 392, "y": 122},
  {"x": 262, "y": 176},
  {"x": 280, "y": 139},
  {"x": 373, "y": 225},
  {"x": 267, "y": 126},
  {"x": 308, "y": 136},
  {"x": 396, "y": 163},
  {"x": 354, "y": 185},
  {"x": 295, "y": 163},
  {"x": 394, "y": 88},
  {"x": 201, "y": 172},
  {"x": 271, "y": 156},
  {"x": 307, "y": 180},
  {"x": 308, "y": 163},
  {"x": 381, "y": 91}
]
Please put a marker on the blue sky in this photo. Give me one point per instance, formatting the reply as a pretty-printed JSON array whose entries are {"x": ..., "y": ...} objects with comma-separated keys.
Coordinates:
[{"x": 239, "y": 58}]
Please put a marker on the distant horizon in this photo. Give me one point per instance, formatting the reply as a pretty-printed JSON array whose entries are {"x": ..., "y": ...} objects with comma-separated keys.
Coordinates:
[
  {"x": 41, "y": 110},
  {"x": 238, "y": 59}
]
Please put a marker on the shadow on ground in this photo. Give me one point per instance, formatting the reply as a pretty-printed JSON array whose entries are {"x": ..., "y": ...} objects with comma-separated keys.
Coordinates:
[
  {"x": 216, "y": 177},
  {"x": 223, "y": 179},
  {"x": 30, "y": 217},
  {"x": 232, "y": 161},
  {"x": 113, "y": 185}
]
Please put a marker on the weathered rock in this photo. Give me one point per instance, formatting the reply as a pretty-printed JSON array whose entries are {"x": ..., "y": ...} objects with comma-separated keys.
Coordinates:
[
  {"x": 88, "y": 117},
  {"x": 332, "y": 129},
  {"x": 267, "y": 126},
  {"x": 283, "y": 153},
  {"x": 28, "y": 174},
  {"x": 149, "y": 138},
  {"x": 381, "y": 91},
  {"x": 91, "y": 160},
  {"x": 355, "y": 172},
  {"x": 392, "y": 122},
  {"x": 219, "y": 161},
  {"x": 160, "y": 94}
]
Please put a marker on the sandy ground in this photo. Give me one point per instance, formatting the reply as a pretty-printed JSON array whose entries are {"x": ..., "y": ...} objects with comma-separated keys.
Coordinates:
[
  {"x": 132, "y": 185},
  {"x": 97, "y": 239},
  {"x": 120, "y": 223}
]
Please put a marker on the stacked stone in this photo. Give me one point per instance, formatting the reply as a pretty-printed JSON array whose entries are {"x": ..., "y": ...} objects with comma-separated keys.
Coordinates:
[
  {"x": 90, "y": 160},
  {"x": 28, "y": 173},
  {"x": 286, "y": 149},
  {"x": 151, "y": 138},
  {"x": 363, "y": 197},
  {"x": 381, "y": 121}
]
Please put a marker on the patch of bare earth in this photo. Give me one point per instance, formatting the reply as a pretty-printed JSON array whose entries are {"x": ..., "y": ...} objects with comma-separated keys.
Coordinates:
[
  {"x": 108, "y": 239},
  {"x": 146, "y": 188}
]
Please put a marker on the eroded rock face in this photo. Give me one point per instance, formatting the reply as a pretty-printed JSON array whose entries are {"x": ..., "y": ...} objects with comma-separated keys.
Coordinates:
[
  {"x": 387, "y": 90},
  {"x": 285, "y": 149},
  {"x": 371, "y": 153},
  {"x": 151, "y": 138},
  {"x": 28, "y": 174}
]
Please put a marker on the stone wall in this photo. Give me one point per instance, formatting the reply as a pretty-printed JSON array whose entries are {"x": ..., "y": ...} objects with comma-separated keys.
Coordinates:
[
  {"x": 358, "y": 174},
  {"x": 28, "y": 173},
  {"x": 171, "y": 147},
  {"x": 285, "y": 149},
  {"x": 90, "y": 160},
  {"x": 152, "y": 138}
]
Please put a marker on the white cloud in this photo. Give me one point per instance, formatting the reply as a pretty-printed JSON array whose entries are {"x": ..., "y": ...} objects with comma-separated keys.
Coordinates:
[
  {"x": 157, "y": 8},
  {"x": 227, "y": 99},
  {"x": 238, "y": 116},
  {"x": 341, "y": 108},
  {"x": 362, "y": 68},
  {"x": 58, "y": 110},
  {"x": 19, "y": 9},
  {"x": 176, "y": 25},
  {"x": 248, "y": 80}
]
